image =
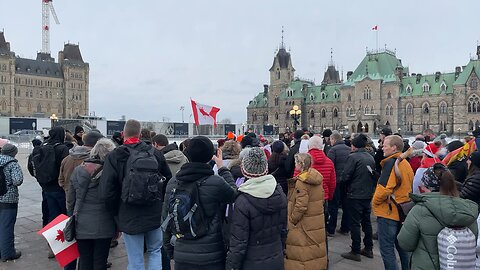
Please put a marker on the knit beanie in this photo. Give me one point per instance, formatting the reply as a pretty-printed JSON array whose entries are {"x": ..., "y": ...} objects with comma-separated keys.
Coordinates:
[
  {"x": 200, "y": 149},
  {"x": 254, "y": 164},
  {"x": 386, "y": 131},
  {"x": 78, "y": 129},
  {"x": 430, "y": 180},
  {"x": 278, "y": 147},
  {"x": 246, "y": 141},
  {"x": 9, "y": 150},
  {"x": 474, "y": 158},
  {"x": 326, "y": 133},
  {"x": 91, "y": 138},
  {"x": 360, "y": 141}
]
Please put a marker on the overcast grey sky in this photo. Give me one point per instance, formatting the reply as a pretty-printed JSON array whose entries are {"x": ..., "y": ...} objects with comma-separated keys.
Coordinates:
[{"x": 147, "y": 58}]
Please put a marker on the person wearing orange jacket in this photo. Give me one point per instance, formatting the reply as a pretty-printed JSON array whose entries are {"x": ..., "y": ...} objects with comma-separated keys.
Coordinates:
[{"x": 390, "y": 192}]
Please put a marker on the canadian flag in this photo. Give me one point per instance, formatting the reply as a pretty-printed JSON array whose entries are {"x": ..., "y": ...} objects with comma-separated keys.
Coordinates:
[
  {"x": 65, "y": 252},
  {"x": 375, "y": 28},
  {"x": 204, "y": 114}
]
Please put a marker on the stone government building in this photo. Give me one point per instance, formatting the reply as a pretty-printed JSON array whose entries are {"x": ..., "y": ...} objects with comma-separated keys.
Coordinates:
[
  {"x": 380, "y": 92},
  {"x": 42, "y": 87}
]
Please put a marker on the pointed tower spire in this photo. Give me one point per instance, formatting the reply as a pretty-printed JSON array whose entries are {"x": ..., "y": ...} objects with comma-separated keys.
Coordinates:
[
  {"x": 282, "y": 45},
  {"x": 331, "y": 58}
]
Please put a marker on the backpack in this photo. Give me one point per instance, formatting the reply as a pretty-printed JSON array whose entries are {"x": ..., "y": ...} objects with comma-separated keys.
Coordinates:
[
  {"x": 42, "y": 160},
  {"x": 186, "y": 218},
  {"x": 456, "y": 248},
  {"x": 3, "y": 178},
  {"x": 142, "y": 184}
]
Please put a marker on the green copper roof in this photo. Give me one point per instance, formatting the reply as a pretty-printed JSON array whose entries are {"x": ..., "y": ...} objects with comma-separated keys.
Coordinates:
[
  {"x": 416, "y": 89},
  {"x": 377, "y": 66},
  {"x": 323, "y": 93},
  {"x": 258, "y": 102},
  {"x": 296, "y": 86},
  {"x": 473, "y": 65}
]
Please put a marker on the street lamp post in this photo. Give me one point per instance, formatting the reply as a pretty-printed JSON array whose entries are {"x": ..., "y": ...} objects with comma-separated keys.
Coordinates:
[
  {"x": 53, "y": 119},
  {"x": 459, "y": 130},
  {"x": 295, "y": 113},
  {"x": 399, "y": 130}
]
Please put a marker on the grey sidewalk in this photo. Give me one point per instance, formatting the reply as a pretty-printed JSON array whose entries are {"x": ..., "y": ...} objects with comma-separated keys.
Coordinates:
[{"x": 34, "y": 247}]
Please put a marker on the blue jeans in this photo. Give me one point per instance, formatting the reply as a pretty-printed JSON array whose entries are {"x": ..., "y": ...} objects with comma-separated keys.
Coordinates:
[
  {"x": 8, "y": 217},
  {"x": 134, "y": 245},
  {"x": 387, "y": 238},
  {"x": 56, "y": 204}
]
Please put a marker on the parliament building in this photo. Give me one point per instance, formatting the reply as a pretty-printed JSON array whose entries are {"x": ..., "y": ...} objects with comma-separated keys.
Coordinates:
[
  {"x": 42, "y": 87},
  {"x": 380, "y": 92}
]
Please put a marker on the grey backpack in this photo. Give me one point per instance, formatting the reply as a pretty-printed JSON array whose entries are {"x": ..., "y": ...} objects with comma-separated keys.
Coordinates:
[{"x": 456, "y": 248}]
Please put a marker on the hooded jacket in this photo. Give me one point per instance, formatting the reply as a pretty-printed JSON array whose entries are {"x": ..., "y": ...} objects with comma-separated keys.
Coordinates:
[
  {"x": 306, "y": 247},
  {"x": 324, "y": 166},
  {"x": 338, "y": 154},
  {"x": 471, "y": 187},
  {"x": 13, "y": 177},
  {"x": 276, "y": 167},
  {"x": 174, "y": 158},
  {"x": 359, "y": 182},
  {"x": 431, "y": 213},
  {"x": 132, "y": 219},
  {"x": 77, "y": 155},
  {"x": 388, "y": 188},
  {"x": 290, "y": 160},
  {"x": 215, "y": 191},
  {"x": 56, "y": 138},
  {"x": 259, "y": 226}
]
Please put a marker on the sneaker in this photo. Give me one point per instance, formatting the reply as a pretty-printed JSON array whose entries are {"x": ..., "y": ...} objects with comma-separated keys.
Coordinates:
[
  {"x": 343, "y": 232},
  {"x": 352, "y": 256},
  {"x": 367, "y": 253},
  {"x": 17, "y": 255}
]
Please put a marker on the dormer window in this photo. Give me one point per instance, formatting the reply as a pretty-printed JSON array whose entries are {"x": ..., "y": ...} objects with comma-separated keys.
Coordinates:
[
  {"x": 473, "y": 84},
  {"x": 323, "y": 95},
  {"x": 408, "y": 89},
  {"x": 312, "y": 97},
  {"x": 426, "y": 87},
  {"x": 443, "y": 87},
  {"x": 335, "y": 95},
  {"x": 289, "y": 92}
]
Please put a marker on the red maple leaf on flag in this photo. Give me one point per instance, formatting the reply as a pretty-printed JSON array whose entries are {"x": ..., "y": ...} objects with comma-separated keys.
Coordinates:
[
  {"x": 202, "y": 110},
  {"x": 60, "y": 236}
]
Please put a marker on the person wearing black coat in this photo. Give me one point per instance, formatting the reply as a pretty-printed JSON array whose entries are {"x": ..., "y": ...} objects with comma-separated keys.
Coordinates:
[
  {"x": 276, "y": 165},
  {"x": 290, "y": 160},
  {"x": 139, "y": 223},
  {"x": 459, "y": 168},
  {"x": 471, "y": 187},
  {"x": 259, "y": 224},
  {"x": 338, "y": 154},
  {"x": 207, "y": 252}
]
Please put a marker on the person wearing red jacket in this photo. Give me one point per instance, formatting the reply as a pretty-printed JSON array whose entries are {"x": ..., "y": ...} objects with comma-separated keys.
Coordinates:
[{"x": 324, "y": 165}]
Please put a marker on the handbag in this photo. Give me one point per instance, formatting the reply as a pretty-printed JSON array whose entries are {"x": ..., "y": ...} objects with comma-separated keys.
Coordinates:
[{"x": 69, "y": 230}]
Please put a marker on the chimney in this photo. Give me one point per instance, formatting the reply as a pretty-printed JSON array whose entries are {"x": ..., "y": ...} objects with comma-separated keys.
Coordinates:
[
  {"x": 399, "y": 72},
  {"x": 458, "y": 70},
  {"x": 60, "y": 57},
  {"x": 419, "y": 77},
  {"x": 349, "y": 74},
  {"x": 437, "y": 76},
  {"x": 265, "y": 90}
]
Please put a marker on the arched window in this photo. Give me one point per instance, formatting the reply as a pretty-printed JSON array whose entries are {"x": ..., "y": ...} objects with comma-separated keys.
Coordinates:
[
  {"x": 254, "y": 116},
  {"x": 335, "y": 112},
  {"x": 443, "y": 107},
  {"x": 443, "y": 87},
  {"x": 324, "y": 95},
  {"x": 349, "y": 98},
  {"x": 312, "y": 97},
  {"x": 4, "y": 105},
  {"x": 324, "y": 113},
  {"x": 312, "y": 114},
  {"x": 276, "y": 116},
  {"x": 367, "y": 93},
  {"x": 408, "y": 89},
  {"x": 470, "y": 125},
  {"x": 473, "y": 105},
  {"x": 372, "y": 110},
  {"x": 276, "y": 101},
  {"x": 278, "y": 74},
  {"x": 366, "y": 110},
  {"x": 17, "y": 106},
  {"x": 389, "y": 95},
  {"x": 39, "y": 107},
  {"x": 426, "y": 87},
  {"x": 265, "y": 115},
  {"x": 426, "y": 108},
  {"x": 409, "y": 108},
  {"x": 335, "y": 95}
]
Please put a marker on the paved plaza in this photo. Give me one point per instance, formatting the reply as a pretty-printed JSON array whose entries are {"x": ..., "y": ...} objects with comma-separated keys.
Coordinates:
[{"x": 34, "y": 247}]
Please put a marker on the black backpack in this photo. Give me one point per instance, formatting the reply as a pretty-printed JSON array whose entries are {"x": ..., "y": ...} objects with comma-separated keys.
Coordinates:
[
  {"x": 186, "y": 218},
  {"x": 42, "y": 162},
  {"x": 3, "y": 178},
  {"x": 142, "y": 184}
]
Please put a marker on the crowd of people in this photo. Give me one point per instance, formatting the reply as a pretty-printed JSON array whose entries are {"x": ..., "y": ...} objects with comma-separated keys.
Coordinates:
[{"x": 252, "y": 202}]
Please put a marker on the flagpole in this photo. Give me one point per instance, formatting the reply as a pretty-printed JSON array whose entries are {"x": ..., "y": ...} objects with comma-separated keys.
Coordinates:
[{"x": 376, "y": 35}]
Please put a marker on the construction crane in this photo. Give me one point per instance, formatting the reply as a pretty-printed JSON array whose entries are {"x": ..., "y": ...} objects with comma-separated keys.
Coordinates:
[{"x": 47, "y": 7}]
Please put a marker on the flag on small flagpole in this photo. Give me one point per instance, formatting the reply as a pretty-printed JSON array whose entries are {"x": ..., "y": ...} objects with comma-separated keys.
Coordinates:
[
  {"x": 204, "y": 114},
  {"x": 65, "y": 252},
  {"x": 375, "y": 27}
]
